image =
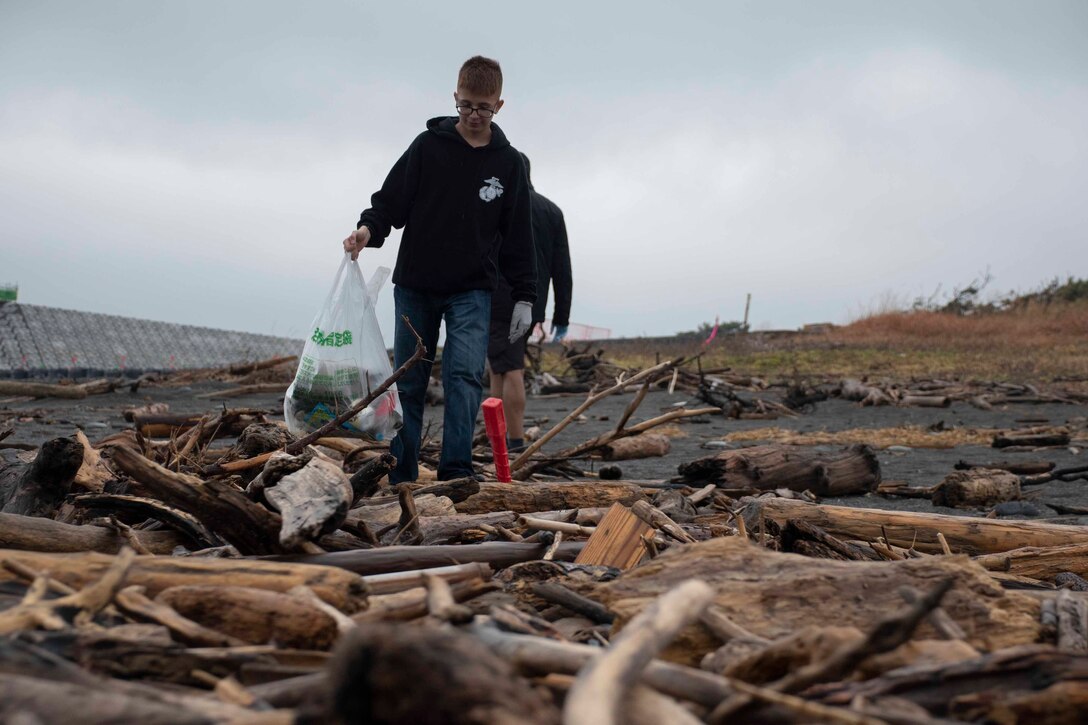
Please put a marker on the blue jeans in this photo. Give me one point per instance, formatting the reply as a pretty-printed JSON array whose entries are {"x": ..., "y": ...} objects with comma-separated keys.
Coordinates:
[{"x": 467, "y": 315}]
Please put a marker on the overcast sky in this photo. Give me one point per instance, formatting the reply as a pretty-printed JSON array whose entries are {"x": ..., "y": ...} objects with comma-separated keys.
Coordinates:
[{"x": 200, "y": 162}]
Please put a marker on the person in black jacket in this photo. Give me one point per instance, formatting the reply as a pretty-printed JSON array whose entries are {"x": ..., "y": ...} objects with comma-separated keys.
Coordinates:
[
  {"x": 461, "y": 194},
  {"x": 506, "y": 357}
]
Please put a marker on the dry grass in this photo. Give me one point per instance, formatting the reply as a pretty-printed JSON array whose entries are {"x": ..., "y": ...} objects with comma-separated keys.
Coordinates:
[
  {"x": 1037, "y": 344},
  {"x": 908, "y": 435},
  {"x": 1037, "y": 327}
]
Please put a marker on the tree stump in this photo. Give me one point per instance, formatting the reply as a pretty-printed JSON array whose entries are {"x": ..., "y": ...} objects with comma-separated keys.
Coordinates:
[{"x": 38, "y": 488}]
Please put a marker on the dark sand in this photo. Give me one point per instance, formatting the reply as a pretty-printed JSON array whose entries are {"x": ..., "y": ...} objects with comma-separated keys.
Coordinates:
[{"x": 38, "y": 421}]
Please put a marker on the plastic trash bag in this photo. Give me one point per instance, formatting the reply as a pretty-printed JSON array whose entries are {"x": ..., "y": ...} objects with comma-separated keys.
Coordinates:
[{"x": 343, "y": 360}]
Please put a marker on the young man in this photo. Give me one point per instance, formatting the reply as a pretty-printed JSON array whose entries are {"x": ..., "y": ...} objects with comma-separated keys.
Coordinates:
[
  {"x": 506, "y": 358},
  {"x": 461, "y": 193}
]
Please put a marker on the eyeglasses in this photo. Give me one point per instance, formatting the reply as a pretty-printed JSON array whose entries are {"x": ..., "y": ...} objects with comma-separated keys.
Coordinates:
[{"x": 467, "y": 110}]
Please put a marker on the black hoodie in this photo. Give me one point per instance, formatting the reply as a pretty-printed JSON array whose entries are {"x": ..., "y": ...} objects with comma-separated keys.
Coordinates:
[{"x": 460, "y": 207}]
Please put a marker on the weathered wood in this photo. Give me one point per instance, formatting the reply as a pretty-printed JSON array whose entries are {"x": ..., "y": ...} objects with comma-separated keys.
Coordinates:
[
  {"x": 904, "y": 529},
  {"x": 32, "y": 533},
  {"x": 43, "y": 701},
  {"x": 655, "y": 518},
  {"x": 646, "y": 445},
  {"x": 180, "y": 521},
  {"x": 253, "y": 615},
  {"x": 617, "y": 541},
  {"x": 93, "y": 473},
  {"x": 749, "y": 579},
  {"x": 456, "y": 490},
  {"x": 451, "y": 528},
  {"x": 379, "y": 517},
  {"x": 765, "y": 468},
  {"x": 250, "y": 367},
  {"x": 42, "y": 485},
  {"x": 1038, "y": 440},
  {"x": 224, "y": 509},
  {"x": 556, "y": 593},
  {"x": 526, "y": 498},
  {"x": 977, "y": 487},
  {"x": 399, "y": 581},
  {"x": 498, "y": 554},
  {"x": 312, "y": 502},
  {"x": 366, "y": 480},
  {"x": 404, "y": 674},
  {"x": 1007, "y": 672},
  {"x": 133, "y": 602},
  {"x": 1072, "y": 623},
  {"x": 537, "y": 655},
  {"x": 342, "y": 589},
  {"x": 1020, "y": 468},
  {"x": 600, "y": 690},
  {"x": 42, "y": 390},
  {"x": 255, "y": 389},
  {"x": 851, "y": 389}
]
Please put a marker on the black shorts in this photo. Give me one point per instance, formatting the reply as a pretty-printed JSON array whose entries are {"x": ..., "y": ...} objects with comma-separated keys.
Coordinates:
[{"x": 503, "y": 355}]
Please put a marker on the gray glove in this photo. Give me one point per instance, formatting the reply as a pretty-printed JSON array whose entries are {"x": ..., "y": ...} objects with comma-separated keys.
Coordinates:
[{"x": 521, "y": 320}]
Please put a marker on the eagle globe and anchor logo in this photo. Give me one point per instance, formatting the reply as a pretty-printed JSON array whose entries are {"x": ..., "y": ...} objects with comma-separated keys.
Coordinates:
[{"x": 491, "y": 190}]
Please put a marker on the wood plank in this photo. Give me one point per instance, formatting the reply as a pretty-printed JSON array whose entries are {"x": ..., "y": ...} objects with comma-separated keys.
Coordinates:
[{"x": 617, "y": 541}]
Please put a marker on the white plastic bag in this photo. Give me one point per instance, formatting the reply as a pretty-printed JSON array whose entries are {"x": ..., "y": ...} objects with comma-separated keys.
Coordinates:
[{"x": 343, "y": 360}]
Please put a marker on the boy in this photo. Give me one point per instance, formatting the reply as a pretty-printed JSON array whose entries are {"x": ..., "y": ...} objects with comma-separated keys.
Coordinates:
[
  {"x": 506, "y": 358},
  {"x": 461, "y": 194}
]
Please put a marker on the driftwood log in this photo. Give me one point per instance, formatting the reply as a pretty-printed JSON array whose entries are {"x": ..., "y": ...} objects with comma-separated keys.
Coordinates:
[
  {"x": 257, "y": 616},
  {"x": 772, "y": 594},
  {"x": 218, "y": 505},
  {"x": 526, "y": 498},
  {"x": 401, "y": 674},
  {"x": 905, "y": 529},
  {"x": 646, "y": 445},
  {"x": 31, "y": 533},
  {"x": 975, "y": 488},
  {"x": 765, "y": 468},
  {"x": 342, "y": 589}
]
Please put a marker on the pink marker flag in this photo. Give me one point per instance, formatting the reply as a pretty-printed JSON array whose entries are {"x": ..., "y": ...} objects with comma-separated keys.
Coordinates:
[{"x": 713, "y": 333}]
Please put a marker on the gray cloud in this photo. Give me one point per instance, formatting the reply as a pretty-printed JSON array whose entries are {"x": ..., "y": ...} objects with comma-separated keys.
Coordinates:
[{"x": 200, "y": 163}]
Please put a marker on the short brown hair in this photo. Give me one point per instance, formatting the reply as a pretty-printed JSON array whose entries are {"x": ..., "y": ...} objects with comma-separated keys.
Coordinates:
[{"x": 481, "y": 75}]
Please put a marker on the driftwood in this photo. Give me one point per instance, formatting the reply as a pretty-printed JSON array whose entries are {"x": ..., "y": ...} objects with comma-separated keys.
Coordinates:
[
  {"x": 526, "y": 498},
  {"x": 37, "y": 534},
  {"x": 765, "y": 468},
  {"x": 38, "y": 488},
  {"x": 400, "y": 558},
  {"x": 851, "y": 389},
  {"x": 402, "y": 674},
  {"x": 647, "y": 445},
  {"x": 312, "y": 501},
  {"x": 29, "y": 700},
  {"x": 746, "y": 577},
  {"x": 603, "y": 684},
  {"x": 1005, "y": 684},
  {"x": 906, "y": 529},
  {"x": 1039, "y": 562},
  {"x": 253, "y": 615},
  {"x": 1035, "y": 440},
  {"x": 977, "y": 487},
  {"x": 47, "y": 390},
  {"x": 344, "y": 590},
  {"x": 537, "y": 654},
  {"x": 216, "y": 504},
  {"x": 365, "y": 481}
]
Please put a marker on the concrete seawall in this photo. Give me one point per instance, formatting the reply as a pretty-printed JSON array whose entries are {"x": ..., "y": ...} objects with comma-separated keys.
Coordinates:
[{"x": 38, "y": 341}]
